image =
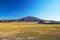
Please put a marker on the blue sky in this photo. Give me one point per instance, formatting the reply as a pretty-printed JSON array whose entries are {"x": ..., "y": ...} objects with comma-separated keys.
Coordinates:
[{"x": 44, "y": 9}]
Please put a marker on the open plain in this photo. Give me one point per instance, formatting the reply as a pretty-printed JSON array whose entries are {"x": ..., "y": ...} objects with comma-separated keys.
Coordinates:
[{"x": 29, "y": 31}]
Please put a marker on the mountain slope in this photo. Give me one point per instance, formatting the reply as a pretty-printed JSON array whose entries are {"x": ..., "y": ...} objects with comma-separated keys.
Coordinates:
[{"x": 30, "y": 19}]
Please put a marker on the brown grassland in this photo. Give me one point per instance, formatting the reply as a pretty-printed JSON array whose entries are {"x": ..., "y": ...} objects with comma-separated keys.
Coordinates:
[{"x": 29, "y": 31}]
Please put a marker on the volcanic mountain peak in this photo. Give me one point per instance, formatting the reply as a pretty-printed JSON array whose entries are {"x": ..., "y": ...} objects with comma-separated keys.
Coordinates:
[{"x": 30, "y": 19}]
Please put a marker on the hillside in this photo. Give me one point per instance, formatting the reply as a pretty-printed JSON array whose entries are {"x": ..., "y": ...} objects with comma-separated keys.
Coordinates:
[
  {"x": 24, "y": 19},
  {"x": 32, "y": 19},
  {"x": 29, "y": 19}
]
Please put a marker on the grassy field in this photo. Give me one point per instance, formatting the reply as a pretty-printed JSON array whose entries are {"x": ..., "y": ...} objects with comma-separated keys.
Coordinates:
[{"x": 29, "y": 31}]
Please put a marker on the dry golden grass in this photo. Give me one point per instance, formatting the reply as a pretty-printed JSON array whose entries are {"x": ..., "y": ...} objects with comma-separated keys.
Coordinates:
[{"x": 29, "y": 29}]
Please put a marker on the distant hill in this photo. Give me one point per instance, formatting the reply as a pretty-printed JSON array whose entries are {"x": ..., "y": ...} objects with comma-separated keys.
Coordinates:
[
  {"x": 24, "y": 19},
  {"x": 49, "y": 22},
  {"x": 29, "y": 19},
  {"x": 32, "y": 19}
]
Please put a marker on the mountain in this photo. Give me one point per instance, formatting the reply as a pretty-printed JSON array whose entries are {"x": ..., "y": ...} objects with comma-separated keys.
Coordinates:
[
  {"x": 32, "y": 19},
  {"x": 24, "y": 19},
  {"x": 29, "y": 19}
]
